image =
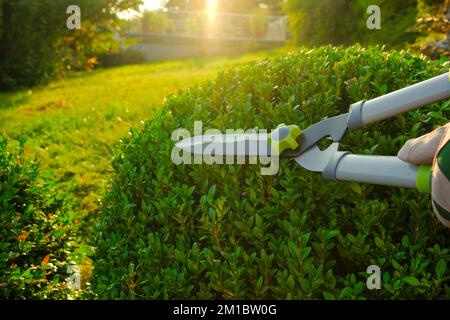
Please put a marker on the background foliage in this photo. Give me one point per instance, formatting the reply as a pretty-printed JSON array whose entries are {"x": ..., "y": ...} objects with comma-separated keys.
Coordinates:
[
  {"x": 35, "y": 44},
  {"x": 227, "y": 232},
  {"x": 318, "y": 22},
  {"x": 36, "y": 230},
  {"x": 243, "y": 6},
  {"x": 403, "y": 23}
]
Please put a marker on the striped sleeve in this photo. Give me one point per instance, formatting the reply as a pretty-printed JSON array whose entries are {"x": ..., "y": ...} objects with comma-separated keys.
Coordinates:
[{"x": 440, "y": 183}]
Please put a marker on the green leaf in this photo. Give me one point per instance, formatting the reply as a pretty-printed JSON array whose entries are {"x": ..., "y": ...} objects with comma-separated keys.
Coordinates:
[
  {"x": 379, "y": 243},
  {"x": 332, "y": 234},
  {"x": 304, "y": 284},
  {"x": 396, "y": 265},
  {"x": 413, "y": 281},
  {"x": 291, "y": 283},
  {"x": 305, "y": 252},
  {"x": 405, "y": 241},
  {"x": 212, "y": 192},
  {"x": 259, "y": 283},
  {"x": 345, "y": 293},
  {"x": 212, "y": 213},
  {"x": 356, "y": 188},
  {"x": 328, "y": 296},
  {"x": 441, "y": 268}
]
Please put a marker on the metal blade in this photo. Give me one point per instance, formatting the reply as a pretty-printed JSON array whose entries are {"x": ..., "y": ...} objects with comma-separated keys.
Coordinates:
[
  {"x": 240, "y": 145},
  {"x": 253, "y": 145},
  {"x": 315, "y": 159},
  {"x": 334, "y": 127}
]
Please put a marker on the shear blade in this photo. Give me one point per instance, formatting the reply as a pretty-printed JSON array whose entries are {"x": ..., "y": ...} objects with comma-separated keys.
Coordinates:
[
  {"x": 239, "y": 145},
  {"x": 315, "y": 159}
]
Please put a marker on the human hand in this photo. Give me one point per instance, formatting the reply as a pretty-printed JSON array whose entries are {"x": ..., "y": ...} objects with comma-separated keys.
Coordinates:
[{"x": 433, "y": 148}]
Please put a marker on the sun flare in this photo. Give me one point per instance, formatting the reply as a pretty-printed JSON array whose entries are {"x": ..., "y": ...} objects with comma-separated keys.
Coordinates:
[{"x": 211, "y": 9}]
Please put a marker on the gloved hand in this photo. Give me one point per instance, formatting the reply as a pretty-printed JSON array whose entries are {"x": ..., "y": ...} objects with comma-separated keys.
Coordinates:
[{"x": 433, "y": 148}]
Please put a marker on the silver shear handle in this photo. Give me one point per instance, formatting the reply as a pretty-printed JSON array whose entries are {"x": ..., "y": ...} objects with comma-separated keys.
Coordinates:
[
  {"x": 381, "y": 170},
  {"x": 420, "y": 94}
]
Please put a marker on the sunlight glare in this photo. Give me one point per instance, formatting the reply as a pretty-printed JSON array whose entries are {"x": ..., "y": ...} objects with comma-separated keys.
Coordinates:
[
  {"x": 151, "y": 5},
  {"x": 211, "y": 10}
]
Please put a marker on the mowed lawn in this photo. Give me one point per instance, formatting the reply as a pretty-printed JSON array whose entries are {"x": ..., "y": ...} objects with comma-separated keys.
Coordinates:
[{"x": 74, "y": 124}]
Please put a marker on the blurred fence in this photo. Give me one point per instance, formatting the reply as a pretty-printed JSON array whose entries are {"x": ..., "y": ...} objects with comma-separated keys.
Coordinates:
[{"x": 210, "y": 26}]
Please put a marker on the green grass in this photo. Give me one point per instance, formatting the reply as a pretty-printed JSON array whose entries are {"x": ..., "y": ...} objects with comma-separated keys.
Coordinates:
[{"x": 73, "y": 124}]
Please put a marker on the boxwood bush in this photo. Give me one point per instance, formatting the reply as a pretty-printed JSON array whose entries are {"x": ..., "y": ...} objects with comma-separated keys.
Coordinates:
[
  {"x": 35, "y": 230},
  {"x": 226, "y": 232}
]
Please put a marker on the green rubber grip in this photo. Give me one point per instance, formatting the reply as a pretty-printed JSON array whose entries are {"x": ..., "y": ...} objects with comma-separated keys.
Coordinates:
[
  {"x": 423, "y": 179},
  {"x": 284, "y": 138}
]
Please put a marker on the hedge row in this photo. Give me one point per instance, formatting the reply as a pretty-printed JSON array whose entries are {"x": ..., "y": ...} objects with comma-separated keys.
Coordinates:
[{"x": 36, "y": 230}]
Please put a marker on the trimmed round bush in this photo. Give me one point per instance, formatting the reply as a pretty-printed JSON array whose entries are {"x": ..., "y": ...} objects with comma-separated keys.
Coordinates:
[
  {"x": 35, "y": 230},
  {"x": 227, "y": 232}
]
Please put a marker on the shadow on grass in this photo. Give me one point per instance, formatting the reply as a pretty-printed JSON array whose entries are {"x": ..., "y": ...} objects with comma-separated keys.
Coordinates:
[{"x": 13, "y": 99}]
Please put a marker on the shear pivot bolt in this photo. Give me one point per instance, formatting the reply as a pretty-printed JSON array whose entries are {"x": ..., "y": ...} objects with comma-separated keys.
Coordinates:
[{"x": 284, "y": 138}]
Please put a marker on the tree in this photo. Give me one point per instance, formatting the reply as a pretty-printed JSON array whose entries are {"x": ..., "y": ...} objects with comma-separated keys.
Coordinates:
[
  {"x": 35, "y": 44},
  {"x": 318, "y": 22},
  {"x": 188, "y": 5},
  {"x": 237, "y": 6}
]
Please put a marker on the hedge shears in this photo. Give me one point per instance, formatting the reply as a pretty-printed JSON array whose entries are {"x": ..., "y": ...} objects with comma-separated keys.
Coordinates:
[{"x": 302, "y": 145}]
